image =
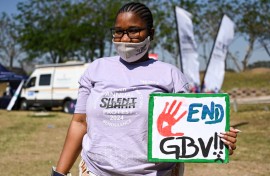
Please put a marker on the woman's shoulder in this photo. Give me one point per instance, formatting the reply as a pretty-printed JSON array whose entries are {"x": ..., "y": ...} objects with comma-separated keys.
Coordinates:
[
  {"x": 165, "y": 65},
  {"x": 102, "y": 62},
  {"x": 105, "y": 60}
]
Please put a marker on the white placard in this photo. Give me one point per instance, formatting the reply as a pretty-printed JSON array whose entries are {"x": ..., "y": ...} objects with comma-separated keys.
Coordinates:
[{"x": 185, "y": 127}]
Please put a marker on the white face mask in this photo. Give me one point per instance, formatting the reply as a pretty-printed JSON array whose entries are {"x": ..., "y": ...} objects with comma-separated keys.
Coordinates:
[{"x": 131, "y": 52}]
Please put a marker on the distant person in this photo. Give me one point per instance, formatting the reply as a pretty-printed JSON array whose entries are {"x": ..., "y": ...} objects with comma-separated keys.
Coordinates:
[
  {"x": 9, "y": 91},
  {"x": 110, "y": 122}
]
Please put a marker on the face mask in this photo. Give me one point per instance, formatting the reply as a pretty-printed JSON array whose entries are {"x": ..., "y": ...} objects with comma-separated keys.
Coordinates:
[{"x": 131, "y": 52}]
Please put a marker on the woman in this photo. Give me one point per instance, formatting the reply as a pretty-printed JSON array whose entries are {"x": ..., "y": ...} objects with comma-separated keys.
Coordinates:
[{"x": 109, "y": 126}]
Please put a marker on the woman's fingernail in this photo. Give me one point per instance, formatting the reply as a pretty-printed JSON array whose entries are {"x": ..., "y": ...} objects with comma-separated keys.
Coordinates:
[
  {"x": 223, "y": 140},
  {"x": 238, "y": 131},
  {"x": 230, "y": 147},
  {"x": 220, "y": 135},
  {"x": 222, "y": 132}
]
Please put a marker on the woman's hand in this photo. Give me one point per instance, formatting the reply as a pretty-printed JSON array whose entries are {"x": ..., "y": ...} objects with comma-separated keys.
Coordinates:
[{"x": 229, "y": 139}]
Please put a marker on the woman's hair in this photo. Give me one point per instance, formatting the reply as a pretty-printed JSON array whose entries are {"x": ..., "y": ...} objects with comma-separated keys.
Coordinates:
[{"x": 139, "y": 9}]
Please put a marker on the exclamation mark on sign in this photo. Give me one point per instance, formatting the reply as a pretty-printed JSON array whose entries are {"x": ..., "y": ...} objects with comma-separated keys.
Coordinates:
[{"x": 218, "y": 143}]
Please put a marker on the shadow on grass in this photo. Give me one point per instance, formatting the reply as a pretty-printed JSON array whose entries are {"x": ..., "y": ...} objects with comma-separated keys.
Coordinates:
[
  {"x": 42, "y": 115},
  {"x": 240, "y": 124}
]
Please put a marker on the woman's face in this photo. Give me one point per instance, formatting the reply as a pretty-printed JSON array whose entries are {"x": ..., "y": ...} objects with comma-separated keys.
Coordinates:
[{"x": 135, "y": 26}]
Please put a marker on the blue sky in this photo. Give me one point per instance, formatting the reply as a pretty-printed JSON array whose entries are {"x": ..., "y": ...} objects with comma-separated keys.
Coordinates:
[
  {"x": 8, "y": 6},
  {"x": 238, "y": 45}
]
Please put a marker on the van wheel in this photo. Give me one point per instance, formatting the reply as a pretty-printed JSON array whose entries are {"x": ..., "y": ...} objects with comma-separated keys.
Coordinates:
[
  {"x": 48, "y": 108},
  {"x": 23, "y": 105},
  {"x": 67, "y": 106}
]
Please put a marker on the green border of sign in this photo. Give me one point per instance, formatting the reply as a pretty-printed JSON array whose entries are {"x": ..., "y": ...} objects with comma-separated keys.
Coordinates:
[{"x": 190, "y": 95}]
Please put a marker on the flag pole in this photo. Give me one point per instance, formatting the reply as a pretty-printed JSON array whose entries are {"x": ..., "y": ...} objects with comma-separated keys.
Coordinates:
[{"x": 178, "y": 42}]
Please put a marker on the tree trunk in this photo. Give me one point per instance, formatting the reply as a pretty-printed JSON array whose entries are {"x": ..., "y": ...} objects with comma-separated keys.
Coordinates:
[
  {"x": 101, "y": 49},
  {"x": 248, "y": 53},
  {"x": 53, "y": 57},
  {"x": 110, "y": 49},
  {"x": 265, "y": 47},
  {"x": 235, "y": 61},
  {"x": 11, "y": 62},
  {"x": 92, "y": 54}
]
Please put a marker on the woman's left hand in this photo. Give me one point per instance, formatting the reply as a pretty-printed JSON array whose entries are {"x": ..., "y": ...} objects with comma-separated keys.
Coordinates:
[{"x": 229, "y": 138}]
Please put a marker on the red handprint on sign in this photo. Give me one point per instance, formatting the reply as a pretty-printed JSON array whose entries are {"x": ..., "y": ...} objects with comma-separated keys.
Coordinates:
[{"x": 169, "y": 119}]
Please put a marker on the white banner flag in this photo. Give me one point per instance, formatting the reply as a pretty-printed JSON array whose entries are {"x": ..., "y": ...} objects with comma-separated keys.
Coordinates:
[
  {"x": 188, "y": 47},
  {"x": 215, "y": 70},
  {"x": 15, "y": 96}
]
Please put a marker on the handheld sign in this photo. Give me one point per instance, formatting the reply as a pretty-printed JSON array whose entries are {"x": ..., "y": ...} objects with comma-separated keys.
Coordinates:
[{"x": 185, "y": 127}]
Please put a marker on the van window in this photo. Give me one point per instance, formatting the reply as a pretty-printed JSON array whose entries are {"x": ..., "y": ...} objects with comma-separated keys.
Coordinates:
[
  {"x": 45, "y": 80},
  {"x": 31, "y": 82}
]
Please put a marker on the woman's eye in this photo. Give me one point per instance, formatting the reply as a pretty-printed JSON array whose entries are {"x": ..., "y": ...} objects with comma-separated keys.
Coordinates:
[
  {"x": 118, "y": 32},
  {"x": 133, "y": 31}
]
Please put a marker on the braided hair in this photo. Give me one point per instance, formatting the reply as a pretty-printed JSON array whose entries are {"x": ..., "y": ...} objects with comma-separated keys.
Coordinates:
[{"x": 139, "y": 9}]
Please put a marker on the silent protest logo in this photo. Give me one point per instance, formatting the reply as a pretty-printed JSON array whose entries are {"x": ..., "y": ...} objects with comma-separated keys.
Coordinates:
[{"x": 185, "y": 127}]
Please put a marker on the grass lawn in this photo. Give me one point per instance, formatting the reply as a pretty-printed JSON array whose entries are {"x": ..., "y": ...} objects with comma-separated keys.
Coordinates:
[
  {"x": 257, "y": 78},
  {"x": 30, "y": 145}
]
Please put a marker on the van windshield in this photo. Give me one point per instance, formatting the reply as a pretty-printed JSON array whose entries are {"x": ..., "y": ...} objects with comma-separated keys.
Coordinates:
[{"x": 31, "y": 82}]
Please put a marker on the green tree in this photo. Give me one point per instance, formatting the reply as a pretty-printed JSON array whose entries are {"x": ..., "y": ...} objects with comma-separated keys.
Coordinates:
[
  {"x": 9, "y": 48},
  {"x": 40, "y": 31},
  {"x": 265, "y": 25},
  {"x": 62, "y": 30},
  {"x": 100, "y": 18},
  {"x": 165, "y": 23},
  {"x": 253, "y": 23}
]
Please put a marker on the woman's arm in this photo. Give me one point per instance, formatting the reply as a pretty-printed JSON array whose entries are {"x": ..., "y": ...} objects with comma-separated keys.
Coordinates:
[{"x": 73, "y": 143}]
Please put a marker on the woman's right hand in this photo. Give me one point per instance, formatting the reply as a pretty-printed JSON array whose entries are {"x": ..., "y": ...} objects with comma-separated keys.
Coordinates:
[{"x": 73, "y": 143}]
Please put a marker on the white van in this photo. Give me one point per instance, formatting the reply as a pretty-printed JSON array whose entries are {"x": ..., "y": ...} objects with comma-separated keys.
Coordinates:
[{"x": 53, "y": 85}]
